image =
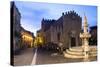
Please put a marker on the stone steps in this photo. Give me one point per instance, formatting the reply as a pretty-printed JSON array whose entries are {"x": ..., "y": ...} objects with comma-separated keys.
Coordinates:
[
  {"x": 72, "y": 56},
  {"x": 74, "y": 52},
  {"x": 78, "y": 49},
  {"x": 77, "y": 52}
]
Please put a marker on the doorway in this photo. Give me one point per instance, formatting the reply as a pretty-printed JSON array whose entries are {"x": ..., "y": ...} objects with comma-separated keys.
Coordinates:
[{"x": 73, "y": 42}]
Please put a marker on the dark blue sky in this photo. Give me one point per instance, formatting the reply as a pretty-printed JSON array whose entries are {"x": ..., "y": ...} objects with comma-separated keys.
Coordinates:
[{"x": 33, "y": 12}]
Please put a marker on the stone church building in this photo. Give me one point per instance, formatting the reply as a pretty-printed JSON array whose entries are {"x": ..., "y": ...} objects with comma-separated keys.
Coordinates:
[{"x": 65, "y": 30}]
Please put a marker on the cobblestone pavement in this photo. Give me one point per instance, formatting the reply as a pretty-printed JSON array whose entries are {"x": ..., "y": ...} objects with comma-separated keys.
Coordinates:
[{"x": 24, "y": 58}]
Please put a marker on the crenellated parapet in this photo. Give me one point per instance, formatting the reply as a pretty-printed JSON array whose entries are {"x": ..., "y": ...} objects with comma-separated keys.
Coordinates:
[
  {"x": 71, "y": 14},
  {"x": 46, "y": 23}
]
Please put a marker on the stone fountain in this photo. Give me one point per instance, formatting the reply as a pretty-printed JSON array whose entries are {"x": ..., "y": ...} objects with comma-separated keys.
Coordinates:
[
  {"x": 85, "y": 51},
  {"x": 85, "y": 36}
]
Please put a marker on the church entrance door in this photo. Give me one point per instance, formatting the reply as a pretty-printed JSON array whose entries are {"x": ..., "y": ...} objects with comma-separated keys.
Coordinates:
[{"x": 73, "y": 41}]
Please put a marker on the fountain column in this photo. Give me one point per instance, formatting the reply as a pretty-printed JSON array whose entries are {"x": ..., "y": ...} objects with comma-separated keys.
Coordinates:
[{"x": 85, "y": 36}]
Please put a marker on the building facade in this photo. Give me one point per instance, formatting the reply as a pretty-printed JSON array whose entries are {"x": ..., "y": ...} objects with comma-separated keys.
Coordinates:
[
  {"x": 21, "y": 37},
  {"x": 93, "y": 32},
  {"x": 65, "y": 30},
  {"x": 27, "y": 38},
  {"x": 15, "y": 20}
]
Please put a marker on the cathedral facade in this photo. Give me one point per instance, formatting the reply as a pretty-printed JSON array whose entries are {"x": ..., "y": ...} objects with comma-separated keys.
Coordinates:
[{"x": 65, "y": 30}]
